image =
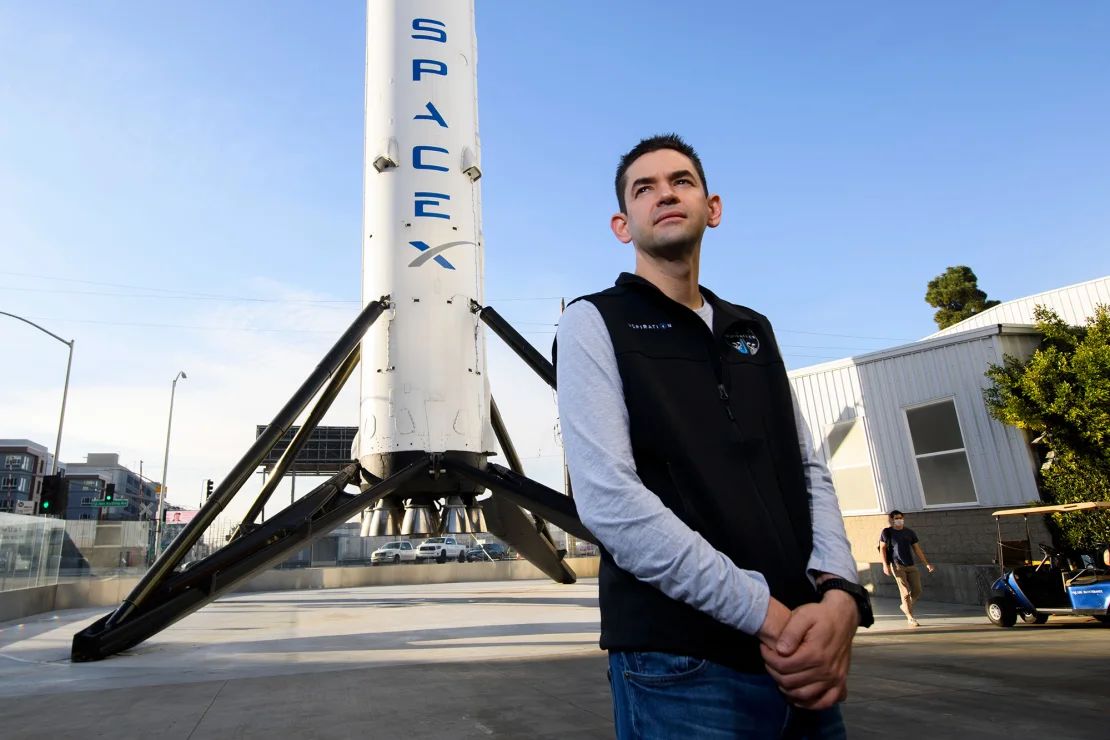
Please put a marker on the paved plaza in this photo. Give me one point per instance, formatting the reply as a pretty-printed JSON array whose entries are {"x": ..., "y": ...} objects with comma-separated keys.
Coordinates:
[{"x": 507, "y": 659}]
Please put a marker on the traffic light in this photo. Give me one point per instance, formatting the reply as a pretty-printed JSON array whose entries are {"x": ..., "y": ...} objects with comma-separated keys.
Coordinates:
[
  {"x": 55, "y": 495},
  {"x": 110, "y": 492},
  {"x": 207, "y": 489}
]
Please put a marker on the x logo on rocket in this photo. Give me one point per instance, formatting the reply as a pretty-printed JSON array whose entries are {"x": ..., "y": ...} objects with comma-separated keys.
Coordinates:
[{"x": 434, "y": 253}]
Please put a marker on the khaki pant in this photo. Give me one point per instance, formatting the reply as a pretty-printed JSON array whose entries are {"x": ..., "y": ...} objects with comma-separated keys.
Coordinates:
[{"x": 909, "y": 586}]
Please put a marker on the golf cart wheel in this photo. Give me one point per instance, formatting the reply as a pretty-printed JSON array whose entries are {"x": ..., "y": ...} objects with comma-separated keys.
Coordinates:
[
  {"x": 1034, "y": 618},
  {"x": 1001, "y": 612}
]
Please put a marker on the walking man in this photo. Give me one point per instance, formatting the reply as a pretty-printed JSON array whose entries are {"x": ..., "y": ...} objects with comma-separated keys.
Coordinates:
[
  {"x": 897, "y": 545},
  {"x": 728, "y": 592}
]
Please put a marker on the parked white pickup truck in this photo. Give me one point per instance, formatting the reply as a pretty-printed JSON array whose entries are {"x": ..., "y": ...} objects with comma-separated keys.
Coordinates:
[
  {"x": 441, "y": 549},
  {"x": 393, "y": 552}
]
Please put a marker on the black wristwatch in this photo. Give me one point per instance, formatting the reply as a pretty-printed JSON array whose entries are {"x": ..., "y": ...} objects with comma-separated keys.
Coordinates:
[{"x": 857, "y": 592}]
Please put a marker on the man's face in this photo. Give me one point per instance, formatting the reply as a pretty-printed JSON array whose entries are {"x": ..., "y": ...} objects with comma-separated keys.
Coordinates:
[
  {"x": 898, "y": 521},
  {"x": 667, "y": 208}
]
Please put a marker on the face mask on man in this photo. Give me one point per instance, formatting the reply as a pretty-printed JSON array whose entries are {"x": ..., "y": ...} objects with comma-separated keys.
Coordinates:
[{"x": 899, "y": 523}]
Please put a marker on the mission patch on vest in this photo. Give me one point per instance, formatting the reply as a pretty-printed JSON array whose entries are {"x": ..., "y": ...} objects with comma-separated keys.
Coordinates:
[{"x": 743, "y": 341}]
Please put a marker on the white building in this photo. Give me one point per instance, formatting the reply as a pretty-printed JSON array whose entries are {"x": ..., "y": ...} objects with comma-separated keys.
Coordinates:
[
  {"x": 907, "y": 428},
  {"x": 1074, "y": 304}
]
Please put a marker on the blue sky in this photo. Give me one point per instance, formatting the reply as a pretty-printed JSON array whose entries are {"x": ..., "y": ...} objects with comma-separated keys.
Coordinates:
[{"x": 198, "y": 165}]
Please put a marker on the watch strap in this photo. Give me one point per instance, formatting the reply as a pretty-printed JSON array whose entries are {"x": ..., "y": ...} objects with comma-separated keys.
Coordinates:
[{"x": 857, "y": 592}]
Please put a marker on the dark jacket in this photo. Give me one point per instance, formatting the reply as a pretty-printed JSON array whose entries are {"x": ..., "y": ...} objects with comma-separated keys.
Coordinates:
[{"x": 713, "y": 436}]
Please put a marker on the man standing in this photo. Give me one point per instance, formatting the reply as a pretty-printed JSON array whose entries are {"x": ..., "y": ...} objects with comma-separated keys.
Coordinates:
[
  {"x": 728, "y": 591},
  {"x": 897, "y": 545}
]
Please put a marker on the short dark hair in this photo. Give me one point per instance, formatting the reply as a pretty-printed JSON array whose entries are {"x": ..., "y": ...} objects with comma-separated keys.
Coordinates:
[
  {"x": 895, "y": 513},
  {"x": 654, "y": 144}
]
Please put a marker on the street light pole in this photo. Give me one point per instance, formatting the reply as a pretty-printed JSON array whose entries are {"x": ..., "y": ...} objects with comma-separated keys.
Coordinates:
[
  {"x": 62, "y": 416},
  {"x": 165, "y": 467},
  {"x": 65, "y": 390}
]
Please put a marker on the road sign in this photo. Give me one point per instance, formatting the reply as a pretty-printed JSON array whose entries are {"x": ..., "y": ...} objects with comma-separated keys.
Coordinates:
[{"x": 115, "y": 502}]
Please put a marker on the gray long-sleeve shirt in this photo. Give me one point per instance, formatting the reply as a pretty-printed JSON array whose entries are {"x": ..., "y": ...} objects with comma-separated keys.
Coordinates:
[{"x": 644, "y": 537}]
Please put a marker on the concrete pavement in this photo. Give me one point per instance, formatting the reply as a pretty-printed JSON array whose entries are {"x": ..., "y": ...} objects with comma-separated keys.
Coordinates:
[{"x": 506, "y": 659}]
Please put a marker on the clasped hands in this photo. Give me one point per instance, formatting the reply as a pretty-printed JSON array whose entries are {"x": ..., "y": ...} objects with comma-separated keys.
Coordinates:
[{"x": 808, "y": 651}]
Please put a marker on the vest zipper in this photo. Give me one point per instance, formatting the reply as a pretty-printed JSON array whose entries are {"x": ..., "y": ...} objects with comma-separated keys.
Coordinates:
[
  {"x": 719, "y": 365},
  {"x": 718, "y": 360},
  {"x": 724, "y": 400}
]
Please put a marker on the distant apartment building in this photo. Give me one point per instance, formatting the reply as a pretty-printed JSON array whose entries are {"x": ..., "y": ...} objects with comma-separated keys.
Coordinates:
[
  {"x": 23, "y": 463},
  {"x": 88, "y": 481}
]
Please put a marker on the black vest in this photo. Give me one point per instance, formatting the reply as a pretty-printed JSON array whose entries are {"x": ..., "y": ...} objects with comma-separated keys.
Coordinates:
[{"x": 713, "y": 436}]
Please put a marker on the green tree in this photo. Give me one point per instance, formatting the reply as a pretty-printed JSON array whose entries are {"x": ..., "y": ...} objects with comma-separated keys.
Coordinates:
[
  {"x": 1061, "y": 394},
  {"x": 956, "y": 296}
]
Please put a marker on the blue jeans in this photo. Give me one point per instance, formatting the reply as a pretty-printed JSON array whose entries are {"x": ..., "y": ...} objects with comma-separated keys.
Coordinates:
[{"x": 658, "y": 696}]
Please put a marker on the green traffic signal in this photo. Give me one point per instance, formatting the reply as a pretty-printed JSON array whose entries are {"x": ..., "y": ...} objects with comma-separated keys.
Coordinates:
[{"x": 54, "y": 494}]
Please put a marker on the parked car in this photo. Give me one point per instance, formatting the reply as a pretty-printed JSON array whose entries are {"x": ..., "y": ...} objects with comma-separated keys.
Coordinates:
[
  {"x": 487, "y": 551},
  {"x": 394, "y": 552},
  {"x": 441, "y": 549},
  {"x": 1071, "y": 584}
]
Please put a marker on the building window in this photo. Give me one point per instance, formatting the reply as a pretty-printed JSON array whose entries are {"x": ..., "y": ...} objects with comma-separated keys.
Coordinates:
[
  {"x": 13, "y": 483},
  {"x": 86, "y": 501},
  {"x": 850, "y": 465},
  {"x": 938, "y": 447},
  {"x": 17, "y": 462}
]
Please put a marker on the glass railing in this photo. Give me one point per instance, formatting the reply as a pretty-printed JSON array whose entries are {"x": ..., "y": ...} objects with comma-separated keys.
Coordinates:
[
  {"x": 30, "y": 551},
  {"x": 42, "y": 551}
]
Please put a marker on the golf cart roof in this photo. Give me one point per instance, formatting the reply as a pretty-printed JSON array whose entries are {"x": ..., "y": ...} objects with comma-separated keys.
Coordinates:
[{"x": 1059, "y": 509}]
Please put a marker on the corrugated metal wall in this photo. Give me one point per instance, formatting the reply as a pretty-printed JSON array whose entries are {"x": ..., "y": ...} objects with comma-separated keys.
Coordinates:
[{"x": 879, "y": 387}]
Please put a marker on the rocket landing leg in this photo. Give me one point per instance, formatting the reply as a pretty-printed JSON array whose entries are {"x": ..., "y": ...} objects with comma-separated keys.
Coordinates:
[
  {"x": 173, "y": 589},
  {"x": 181, "y": 592}
]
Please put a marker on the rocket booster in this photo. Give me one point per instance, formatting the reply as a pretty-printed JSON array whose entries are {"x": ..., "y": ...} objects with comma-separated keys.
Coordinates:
[
  {"x": 424, "y": 386},
  {"x": 424, "y": 402}
]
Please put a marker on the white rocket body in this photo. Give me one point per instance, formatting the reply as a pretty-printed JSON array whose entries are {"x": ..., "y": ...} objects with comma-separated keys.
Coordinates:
[{"x": 423, "y": 375}]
